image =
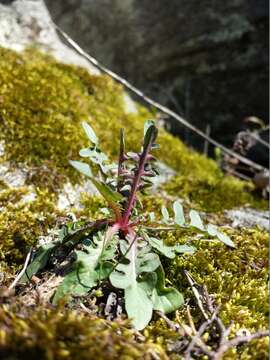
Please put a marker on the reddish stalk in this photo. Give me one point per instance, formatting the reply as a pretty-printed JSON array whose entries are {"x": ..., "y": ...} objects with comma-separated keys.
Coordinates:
[{"x": 136, "y": 181}]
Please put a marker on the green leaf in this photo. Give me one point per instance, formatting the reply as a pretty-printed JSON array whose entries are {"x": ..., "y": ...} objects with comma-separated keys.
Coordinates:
[
  {"x": 168, "y": 251},
  {"x": 110, "y": 195},
  {"x": 78, "y": 282},
  {"x": 165, "y": 214},
  {"x": 147, "y": 125},
  {"x": 125, "y": 276},
  {"x": 138, "y": 306},
  {"x": 39, "y": 262},
  {"x": 96, "y": 156},
  {"x": 150, "y": 133},
  {"x": 195, "y": 220},
  {"x": 90, "y": 133},
  {"x": 81, "y": 167},
  {"x": 165, "y": 299},
  {"x": 213, "y": 231},
  {"x": 179, "y": 218},
  {"x": 88, "y": 268},
  {"x": 184, "y": 249}
]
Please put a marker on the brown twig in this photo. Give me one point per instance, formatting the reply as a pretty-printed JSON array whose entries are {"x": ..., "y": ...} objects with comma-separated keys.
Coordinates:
[
  {"x": 197, "y": 345},
  {"x": 172, "y": 325}
]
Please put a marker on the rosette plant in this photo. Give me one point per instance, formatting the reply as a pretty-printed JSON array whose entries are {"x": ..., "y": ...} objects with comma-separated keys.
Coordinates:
[{"x": 122, "y": 249}]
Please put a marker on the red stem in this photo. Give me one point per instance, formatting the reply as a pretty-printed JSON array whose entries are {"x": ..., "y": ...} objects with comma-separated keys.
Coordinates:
[{"x": 135, "y": 184}]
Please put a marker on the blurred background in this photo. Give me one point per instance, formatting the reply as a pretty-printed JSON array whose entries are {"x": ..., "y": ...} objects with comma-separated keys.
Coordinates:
[{"x": 207, "y": 60}]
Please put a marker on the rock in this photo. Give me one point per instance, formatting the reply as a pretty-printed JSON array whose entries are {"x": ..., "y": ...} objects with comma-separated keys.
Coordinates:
[
  {"x": 208, "y": 60},
  {"x": 28, "y": 23},
  {"x": 248, "y": 218}
]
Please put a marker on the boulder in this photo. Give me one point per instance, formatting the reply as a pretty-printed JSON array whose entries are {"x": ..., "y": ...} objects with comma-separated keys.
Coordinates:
[{"x": 208, "y": 60}]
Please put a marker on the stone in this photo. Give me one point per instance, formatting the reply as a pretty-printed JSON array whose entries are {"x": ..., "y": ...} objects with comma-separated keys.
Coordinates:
[{"x": 207, "y": 60}]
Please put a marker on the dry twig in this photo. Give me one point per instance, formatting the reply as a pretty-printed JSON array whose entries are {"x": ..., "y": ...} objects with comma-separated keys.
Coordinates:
[{"x": 19, "y": 276}]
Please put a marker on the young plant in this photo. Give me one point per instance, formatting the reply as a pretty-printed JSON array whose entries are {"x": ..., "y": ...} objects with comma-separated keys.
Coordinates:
[{"x": 122, "y": 249}]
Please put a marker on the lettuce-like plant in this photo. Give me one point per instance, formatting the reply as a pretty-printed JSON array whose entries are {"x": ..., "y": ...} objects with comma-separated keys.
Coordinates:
[{"x": 123, "y": 248}]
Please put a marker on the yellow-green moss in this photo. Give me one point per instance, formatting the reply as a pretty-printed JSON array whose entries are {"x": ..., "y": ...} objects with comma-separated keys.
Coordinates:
[
  {"x": 54, "y": 334},
  {"x": 237, "y": 278},
  {"x": 21, "y": 223},
  {"x": 214, "y": 193},
  {"x": 42, "y": 103}
]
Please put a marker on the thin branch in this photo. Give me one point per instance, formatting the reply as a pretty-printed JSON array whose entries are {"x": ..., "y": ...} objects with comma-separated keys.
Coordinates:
[
  {"x": 172, "y": 325},
  {"x": 19, "y": 276},
  {"x": 197, "y": 289},
  {"x": 238, "y": 340},
  {"x": 155, "y": 104}
]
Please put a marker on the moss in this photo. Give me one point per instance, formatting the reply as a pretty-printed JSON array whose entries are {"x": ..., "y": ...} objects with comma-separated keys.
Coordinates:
[
  {"x": 237, "y": 279},
  {"x": 214, "y": 193},
  {"x": 21, "y": 223},
  {"x": 58, "y": 334},
  {"x": 42, "y": 103}
]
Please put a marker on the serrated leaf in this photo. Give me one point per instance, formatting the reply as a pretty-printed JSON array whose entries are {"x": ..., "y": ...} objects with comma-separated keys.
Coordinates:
[
  {"x": 147, "y": 262},
  {"x": 195, "y": 220},
  {"x": 78, "y": 282},
  {"x": 165, "y": 299},
  {"x": 88, "y": 268},
  {"x": 90, "y": 133},
  {"x": 179, "y": 217},
  {"x": 213, "y": 231},
  {"x": 125, "y": 276},
  {"x": 165, "y": 214},
  {"x": 39, "y": 262},
  {"x": 168, "y": 251},
  {"x": 81, "y": 167}
]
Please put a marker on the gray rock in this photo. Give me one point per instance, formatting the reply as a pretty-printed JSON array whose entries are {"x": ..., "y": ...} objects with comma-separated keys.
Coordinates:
[
  {"x": 206, "y": 59},
  {"x": 26, "y": 23},
  {"x": 243, "y": 217}
]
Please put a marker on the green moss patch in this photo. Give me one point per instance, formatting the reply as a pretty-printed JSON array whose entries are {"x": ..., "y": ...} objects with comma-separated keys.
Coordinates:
[
  {"x": 43, "y": 102},
  {"x": 57, "y": 334},
  {"x": 237, "y": 279}
]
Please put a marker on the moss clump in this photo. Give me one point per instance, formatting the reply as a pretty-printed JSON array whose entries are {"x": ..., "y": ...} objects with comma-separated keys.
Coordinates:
[
  {"x": 214, "y": 193},
  {"x": 42, "y": 103},
  {"x": 21, "y": 223},
  {"x": 237, "y": 279},
  {"x": 57, "y": 334}
]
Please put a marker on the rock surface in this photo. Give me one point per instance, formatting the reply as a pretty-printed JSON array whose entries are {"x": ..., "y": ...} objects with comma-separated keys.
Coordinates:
[
  {"x": 243, "y": 217},
  {"x": 208, "y": 59},
  {"x": 28, "y": 23}
]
